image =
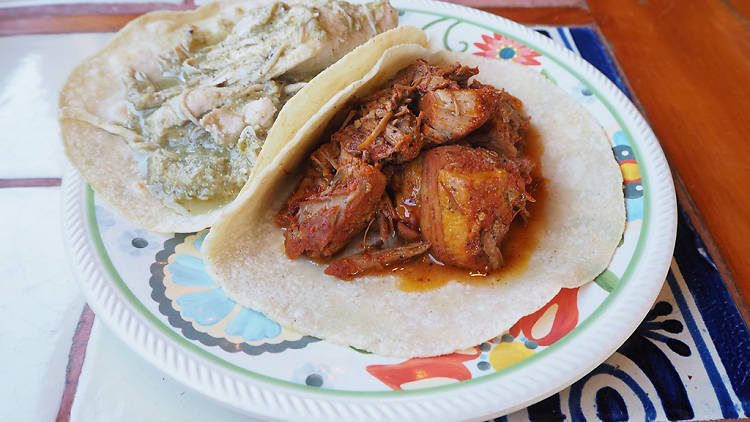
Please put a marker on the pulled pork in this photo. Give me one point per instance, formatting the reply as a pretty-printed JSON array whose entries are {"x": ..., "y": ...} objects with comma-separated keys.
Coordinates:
[{"x": 431, "y": 163}]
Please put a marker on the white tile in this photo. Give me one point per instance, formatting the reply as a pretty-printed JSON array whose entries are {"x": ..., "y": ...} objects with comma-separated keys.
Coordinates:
[
  {"x": 116, "y": 385},
  {"x": 33, "y": 68},
  {"x": 40, "y": 304}
]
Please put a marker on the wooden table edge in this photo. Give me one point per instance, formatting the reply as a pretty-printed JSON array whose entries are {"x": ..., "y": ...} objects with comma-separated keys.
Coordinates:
[{"x": 112, "y": 17}]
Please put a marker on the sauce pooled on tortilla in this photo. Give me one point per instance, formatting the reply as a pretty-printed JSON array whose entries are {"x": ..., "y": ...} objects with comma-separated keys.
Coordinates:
[
  {"x": 426, "y": 273},
  {"x": 432, "y": 166}
]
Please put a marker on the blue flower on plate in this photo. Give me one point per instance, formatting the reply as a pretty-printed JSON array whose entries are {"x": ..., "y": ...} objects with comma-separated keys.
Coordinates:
[
  {"x": 252, "y": 325},
  {"x": 210, "y": 305},
  {"x": 196, "y": 305}
]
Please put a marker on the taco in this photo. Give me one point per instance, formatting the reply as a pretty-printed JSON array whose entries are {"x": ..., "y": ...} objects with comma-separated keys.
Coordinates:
[
  {"x": 169, "y": 119},
  {"x": 249, "y": 254}
]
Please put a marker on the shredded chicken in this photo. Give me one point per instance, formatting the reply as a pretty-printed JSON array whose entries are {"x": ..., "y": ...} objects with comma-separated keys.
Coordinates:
[
  {"x": 334, "y": 202},
  {"x": 505, "y": 129},
  {"x": 430, "y": 163},
  {"x": 217, "y": 88},
  {"x": 468, "y": 200},
  {"x": 354, "y": 265},
  {"x": 385, "y": 129},
  {"x": 454, "y": 113}
]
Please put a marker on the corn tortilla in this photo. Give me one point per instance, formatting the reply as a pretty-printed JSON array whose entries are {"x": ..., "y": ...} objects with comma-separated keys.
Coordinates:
[{"x": 585, "y": 220}]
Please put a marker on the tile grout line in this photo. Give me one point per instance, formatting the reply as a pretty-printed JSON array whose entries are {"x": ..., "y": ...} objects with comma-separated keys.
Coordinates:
[
  {"x": 76, "y": 358},
  {"x": 30, "y": 182}
]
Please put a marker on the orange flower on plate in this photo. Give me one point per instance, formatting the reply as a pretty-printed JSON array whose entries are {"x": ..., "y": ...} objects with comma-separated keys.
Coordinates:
[
  {"x": 562, "y": 309},
  {"x": 503, "y": 48}
]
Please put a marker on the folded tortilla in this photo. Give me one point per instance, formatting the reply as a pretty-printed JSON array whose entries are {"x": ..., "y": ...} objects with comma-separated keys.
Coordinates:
[
  {"x": 585, "y": 218},
  {"x": 96, "y": 118}
]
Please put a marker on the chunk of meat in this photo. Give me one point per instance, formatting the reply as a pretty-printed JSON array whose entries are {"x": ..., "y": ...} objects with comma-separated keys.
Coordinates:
[
  {"x": 318, "y": 177},
  {"x": 200, "y": 101},
  {"x": 451, "y": 114},
  {"x": 460, "y": 73},
  {"x": 505, "y": 130},
  {"x": 383, "y": 135},
  {"x": 468, "y": 199},
  {"x": 406, "y": 195},
  {"x": 224, "y": 125},
  {"x": 334, "y": 201},
  {"x": 259, "y": 113},
  {"x": 426, "y": 77},
  {"x": 386, "y": 129},
  {"x": 351, "y": 266},
  {"x": 406, "y": 233},
  {"x": 384, "y": 219}
]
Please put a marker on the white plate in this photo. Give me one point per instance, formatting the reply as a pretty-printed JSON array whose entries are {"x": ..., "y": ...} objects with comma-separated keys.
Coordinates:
[{"x": 150, "y": 289}]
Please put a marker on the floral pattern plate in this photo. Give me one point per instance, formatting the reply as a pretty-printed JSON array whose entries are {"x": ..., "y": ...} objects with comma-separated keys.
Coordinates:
[{"x": 153, "y": 291}]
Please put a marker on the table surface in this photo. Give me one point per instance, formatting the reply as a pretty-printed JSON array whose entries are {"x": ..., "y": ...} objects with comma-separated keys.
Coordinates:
[{"x": 687, "y": 65}]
